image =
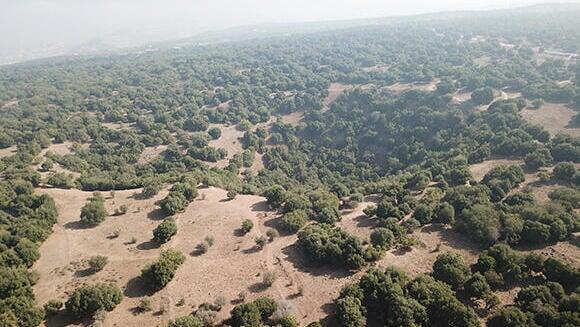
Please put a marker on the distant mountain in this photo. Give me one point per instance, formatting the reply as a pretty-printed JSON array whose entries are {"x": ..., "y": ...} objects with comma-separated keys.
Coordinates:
[{"x": 134, "y": 41}]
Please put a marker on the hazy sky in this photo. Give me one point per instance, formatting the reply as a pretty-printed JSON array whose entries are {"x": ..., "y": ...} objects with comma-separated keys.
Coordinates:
[{"x": 42, "y": 25}]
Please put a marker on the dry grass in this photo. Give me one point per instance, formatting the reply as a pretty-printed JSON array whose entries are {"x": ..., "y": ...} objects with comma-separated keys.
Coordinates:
[
  {"x": 479, "y": 170},
  {"x": 9, "y": 151},
  {"x": 402, "y": 87},
  {"x": 554, "y": 117},
  {"x": 232, "y": 265},
  {"x": 149, "y": 153},
  {"x": 229, "y": 140}
]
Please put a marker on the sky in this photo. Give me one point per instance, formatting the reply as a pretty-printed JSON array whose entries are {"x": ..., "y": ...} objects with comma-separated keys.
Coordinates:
[{"x": 33, "y": 28}]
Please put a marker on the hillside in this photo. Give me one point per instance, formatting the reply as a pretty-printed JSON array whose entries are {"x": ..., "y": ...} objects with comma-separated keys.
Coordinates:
[{"x": 415, "y": 172}]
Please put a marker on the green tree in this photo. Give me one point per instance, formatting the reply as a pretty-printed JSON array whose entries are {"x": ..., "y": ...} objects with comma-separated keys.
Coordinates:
[
  {"x": 87, "y": 300},
  {"x": 165, "y": 231},
  {"x": 158, "y": 274},
  {"x": 451, "y": 269},
  {"x": 93, "y": 212}
]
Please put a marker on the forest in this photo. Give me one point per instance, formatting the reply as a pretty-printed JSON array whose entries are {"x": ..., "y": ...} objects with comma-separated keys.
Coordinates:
[{"x": 397, "y": 132}]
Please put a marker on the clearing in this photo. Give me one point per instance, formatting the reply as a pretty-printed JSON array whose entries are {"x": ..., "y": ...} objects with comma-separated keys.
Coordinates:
[{"x": 554, "y": 117}]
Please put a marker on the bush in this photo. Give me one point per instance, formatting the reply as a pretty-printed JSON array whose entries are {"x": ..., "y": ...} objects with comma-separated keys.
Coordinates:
[
  {"x": 215, "y": 133},
  {"x": 272, "y": 234},
  {"x": 451, "y": 269},
  {"x": 52, "y": 307},
  {"x": 293, "y": 221},
  {"x": 231, "y": 195},
  {"x": 87, "y": 300},
  {"x": 482, "y": 96},
  {"x": 97, "y": 263},
  {"x": 145, "y": 305},
  {"x": 269, "y": 277},
  {"x": 186, "y": 321},
  {"x": 151, "y": 189},
  {"x": 165, "y": 231},
  {"x": 261, "y": 241},
  {"x": 247, "y": 226},
  {"x": 160, "y": 273},
  {"x": 383, "y": 238},
  {"x": 565, "y": 171},
  {"x": 93, "y": 212},
  {"x": 173, "y": 203},
  {"x": 121, "y": 210},
  {"x": 326, "y": 244}
]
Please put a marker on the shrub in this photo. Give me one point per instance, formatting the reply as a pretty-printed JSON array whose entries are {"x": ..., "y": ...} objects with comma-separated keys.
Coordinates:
[
  {"x": 383, "y": 238},
  {"x": 247, "y": 226},
  {"x": 121, "y": 210},
  {"x": 451, "y": 269},
  {"x": 186, "y": 321},
  {"x": 261, "y": 241},
  {"x": 151, "y": 189},
  {"x": 482, "y": 96},
  {"x": 272, "y": 234},
  {"x": 293, "y": 221},
  {"x": 161, "y": 272},
  {"x": 145, "y": 305},
  {"x": 269, "y": 277},
  {"x": 52, "y": 307},
  {"x": 326, "y": 244},
  {"x": 87, "y": 300},
  {"x": 93, "y": 212},
  {"x": 231, "y": 195},
  {"x": 97, "y": 263},
  {"x": 565, "y": 171},
  {"x": 165, "y": 231},
  {"x": 215, "y": 133}
]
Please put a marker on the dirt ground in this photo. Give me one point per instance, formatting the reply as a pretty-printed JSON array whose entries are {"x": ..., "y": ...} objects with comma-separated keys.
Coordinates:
[
  {"x": 479, "y": 170},
  {"x": 231, "y": 265},
  {"x": 149, "y": 153},
  {"x": 9, "y": 151},
  {"x": 402, "y": 87},
  {"x": 553, "y": 117},
  {"x": 118, "y": 126},
  {"x": 229, "y": 140}
]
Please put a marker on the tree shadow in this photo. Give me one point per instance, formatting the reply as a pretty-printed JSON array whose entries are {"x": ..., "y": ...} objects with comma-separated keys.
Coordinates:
[
  {"x": 454, "y": 239},
  {"x": 239, "y": 232},
  {"x": 364, "y": 221},
  {"x": 261, "y": 206},
  {"x": 253, "y": 249},
  {"x": 77, "y": 224},
  {"x": 148, "y": 245},
  {"x": 257, "y": 287},
  {"x": 156, "y": 214},
  {"x": 136, "y": 287},
  {"x": 62, "y": 319},
  {"x": 84, "y": 272},
  {"x": 301, "y": 263}
]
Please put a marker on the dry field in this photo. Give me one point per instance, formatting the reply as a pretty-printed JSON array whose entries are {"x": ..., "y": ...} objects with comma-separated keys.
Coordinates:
[
  {"x": 479, "y": 170},
  {"x": 117, "y": 126},
  {"x": 553, "y": 117},
  {"x": 425, "y": 87},
  {"x": 229, "y": 140},
  {"x": 149, "y": 153},
  {"x": 9, "y": 151},
  {"x": 232, "y": 265}
]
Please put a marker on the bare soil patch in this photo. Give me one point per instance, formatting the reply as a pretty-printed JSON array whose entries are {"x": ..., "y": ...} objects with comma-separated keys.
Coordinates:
[
  {"x": 425, "y": 87},
  {"x": 9, "y": 151},
  {"x": 229, "y": 140},
  {"x": 117, "y": 126},
  {"x": 150, "y": 152},
  {"x": 230, "y": 266},
  {"x": 554, "y": 117},
  {"x": 479, "y": 170},
  {"x": 421, "y": 258}
]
